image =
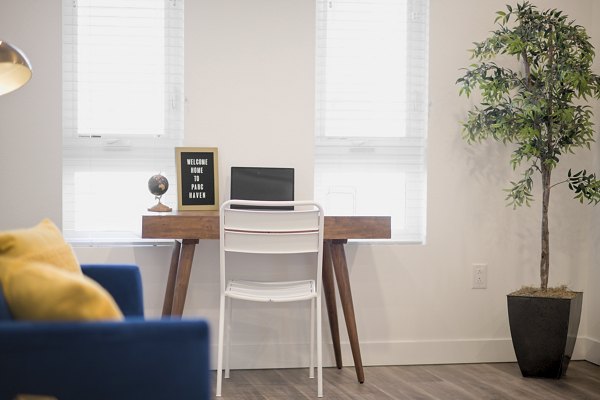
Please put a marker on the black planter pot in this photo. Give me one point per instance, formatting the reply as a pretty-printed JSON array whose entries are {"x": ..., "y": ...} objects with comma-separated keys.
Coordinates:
[{"x": 543, "y": 333}]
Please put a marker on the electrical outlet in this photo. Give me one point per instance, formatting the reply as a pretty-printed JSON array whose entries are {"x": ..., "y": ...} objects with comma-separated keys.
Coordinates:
[{"x": 479, "y": 276}]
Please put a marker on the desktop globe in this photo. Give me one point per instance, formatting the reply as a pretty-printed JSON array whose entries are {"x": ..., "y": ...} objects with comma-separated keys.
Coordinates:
[{"x": 158, "y": 185}]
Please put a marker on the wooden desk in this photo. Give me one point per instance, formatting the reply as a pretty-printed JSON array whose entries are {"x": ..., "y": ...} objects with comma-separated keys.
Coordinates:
[{"x": 188, "y": 227}]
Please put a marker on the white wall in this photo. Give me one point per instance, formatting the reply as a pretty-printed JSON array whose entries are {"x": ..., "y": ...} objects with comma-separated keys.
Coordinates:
[
  {"x": 468, "y": 221},
  {"x": 30, "y": 118},
  {"x": 249, "y": 84},
  {"x": 592, "y": 296},
  {"x": 249, "y": 89}
]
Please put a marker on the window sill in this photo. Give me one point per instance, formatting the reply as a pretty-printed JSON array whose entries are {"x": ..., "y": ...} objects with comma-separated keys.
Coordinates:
[
  {"x": 112, "y": 239},
  {"x": 386, "y": 242}
]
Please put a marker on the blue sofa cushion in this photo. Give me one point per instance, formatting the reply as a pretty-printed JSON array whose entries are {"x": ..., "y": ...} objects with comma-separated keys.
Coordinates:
[
  {"x": 123, "y": 282},
  {"x": 5, "y": 314},
  {"x": 135, "y": 359}
]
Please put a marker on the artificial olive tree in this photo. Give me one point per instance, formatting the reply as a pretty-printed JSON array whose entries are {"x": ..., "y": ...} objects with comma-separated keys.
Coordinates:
[{"x": 539, "y": 107}]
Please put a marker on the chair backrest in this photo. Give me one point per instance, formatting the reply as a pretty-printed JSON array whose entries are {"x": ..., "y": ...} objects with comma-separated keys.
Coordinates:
[{"x": 271, "y": 231}]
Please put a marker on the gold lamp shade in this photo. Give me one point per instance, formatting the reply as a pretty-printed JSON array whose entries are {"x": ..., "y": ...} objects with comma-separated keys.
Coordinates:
[{"x": 15, "y": 69}]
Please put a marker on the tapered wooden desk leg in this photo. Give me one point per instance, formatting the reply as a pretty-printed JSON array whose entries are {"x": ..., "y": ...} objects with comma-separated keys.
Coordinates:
[
  {"x": 168, "y": 301},
  {"x": 329, "y": 292},
  {"x": 340, "y": 266},
  {"x": 183, "y": 275}
]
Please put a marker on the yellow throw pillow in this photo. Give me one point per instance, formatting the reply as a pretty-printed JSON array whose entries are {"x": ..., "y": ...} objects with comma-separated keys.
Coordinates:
[
  {"x": 40, "y": 292},
  {"x": 44, "y": 242}
]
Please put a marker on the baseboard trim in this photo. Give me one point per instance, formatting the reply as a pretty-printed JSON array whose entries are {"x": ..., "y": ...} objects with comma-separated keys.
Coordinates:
[
  {"x": 435, "y": 352},
  {"x": 592, "y": 350},
  {"x": 287, "y": 355}
]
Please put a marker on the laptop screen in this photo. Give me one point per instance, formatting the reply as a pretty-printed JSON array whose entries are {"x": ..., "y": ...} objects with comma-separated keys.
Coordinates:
[{"x": 262, "y": 183}]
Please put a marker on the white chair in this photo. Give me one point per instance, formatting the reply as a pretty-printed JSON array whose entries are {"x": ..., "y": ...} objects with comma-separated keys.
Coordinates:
[{"x": 271, "y": 231}]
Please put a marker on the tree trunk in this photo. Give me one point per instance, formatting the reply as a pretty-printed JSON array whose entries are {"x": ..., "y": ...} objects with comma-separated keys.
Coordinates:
[
  {"x": 545, "y": 259},
  {"x": 547, "y": 171}
]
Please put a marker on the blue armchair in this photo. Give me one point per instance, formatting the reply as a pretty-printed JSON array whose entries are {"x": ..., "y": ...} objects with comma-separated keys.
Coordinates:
[{"x": 133, "y": 359}]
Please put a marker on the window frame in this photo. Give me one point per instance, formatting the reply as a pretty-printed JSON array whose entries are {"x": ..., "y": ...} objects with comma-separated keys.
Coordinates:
[
  {"x": 406, "y": 153},
  {"x": 96, "y": 153}
]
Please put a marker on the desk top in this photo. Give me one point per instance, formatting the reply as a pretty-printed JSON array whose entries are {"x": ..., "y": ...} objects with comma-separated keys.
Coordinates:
[{"x": 205, "y": 225}]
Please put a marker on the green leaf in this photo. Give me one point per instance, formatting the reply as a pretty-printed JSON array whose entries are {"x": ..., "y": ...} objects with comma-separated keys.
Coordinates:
[
  {"x": 540, "y": 106},
  {"x": 537, "y": 101}
]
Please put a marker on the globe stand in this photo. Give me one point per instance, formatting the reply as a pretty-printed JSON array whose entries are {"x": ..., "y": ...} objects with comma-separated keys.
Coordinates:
[{"x": 160, "y": 207}]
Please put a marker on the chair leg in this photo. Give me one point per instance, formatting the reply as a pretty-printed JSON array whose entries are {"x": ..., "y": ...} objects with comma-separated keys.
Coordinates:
[
  {"x": 319, "y": 350},
  {"x": 220, "y": 347},
  {"x": 229, "y": 307},
  {"x": 311, "y": 365}
]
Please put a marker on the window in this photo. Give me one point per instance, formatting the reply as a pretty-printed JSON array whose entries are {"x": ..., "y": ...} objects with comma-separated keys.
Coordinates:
[
  {"x": 122, "y": 112},
  {"x": 372, "y": 111}
]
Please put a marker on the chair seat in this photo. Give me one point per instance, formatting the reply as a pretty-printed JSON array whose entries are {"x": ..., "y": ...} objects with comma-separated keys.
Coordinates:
[{"x": 271, "y": 291}]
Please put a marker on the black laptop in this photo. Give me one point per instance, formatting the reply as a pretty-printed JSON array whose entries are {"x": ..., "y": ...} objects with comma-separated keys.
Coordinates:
[{"x": 262, "y": 183}]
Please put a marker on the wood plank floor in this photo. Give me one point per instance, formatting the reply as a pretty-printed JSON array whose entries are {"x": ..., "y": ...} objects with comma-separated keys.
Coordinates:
[{"x": 501, "y": 381}]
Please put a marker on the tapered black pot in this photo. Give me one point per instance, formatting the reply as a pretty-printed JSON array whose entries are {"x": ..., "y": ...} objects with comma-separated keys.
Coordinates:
[{"x": 543, "y": 333}]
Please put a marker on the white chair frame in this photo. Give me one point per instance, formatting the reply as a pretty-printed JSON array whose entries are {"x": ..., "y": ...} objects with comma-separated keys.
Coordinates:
[{"x": 271, "y": 231}]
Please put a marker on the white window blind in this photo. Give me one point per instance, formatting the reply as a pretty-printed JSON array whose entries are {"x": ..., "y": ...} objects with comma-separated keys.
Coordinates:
[
  {"x": 372, "y": 111},
  {"x": 122, "y": 112}
]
